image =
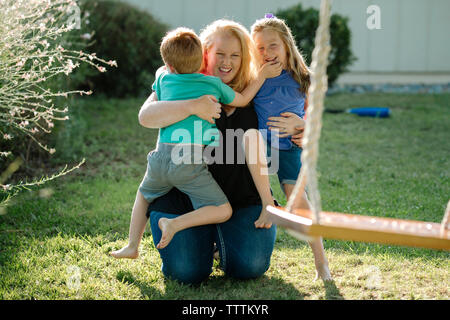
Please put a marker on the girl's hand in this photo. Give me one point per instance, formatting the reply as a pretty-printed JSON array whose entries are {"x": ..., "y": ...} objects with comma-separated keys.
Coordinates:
[
  {"x": 288, "y": 124},
  {"x": 207, "y": 108},
  {"x": 270, "y": 70},
  {"x": 297, "y": 138}
]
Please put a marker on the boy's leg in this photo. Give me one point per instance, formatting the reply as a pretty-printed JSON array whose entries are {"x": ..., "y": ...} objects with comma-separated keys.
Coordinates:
[
  {"x": 153, "y": 185},
  {"x": 203, "y": 216},
  {"x": 137, "y": 228},
  {"x": 210, "y": 203}
]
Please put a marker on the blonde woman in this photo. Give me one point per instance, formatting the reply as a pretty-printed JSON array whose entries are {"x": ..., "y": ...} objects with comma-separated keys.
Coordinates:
[{"x": 245, "y": 249}]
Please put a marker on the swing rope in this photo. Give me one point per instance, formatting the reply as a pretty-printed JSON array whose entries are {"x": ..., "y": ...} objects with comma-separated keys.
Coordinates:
[
  {"x": 304, "y": 225},
  {"x": 313, "y": 126}
]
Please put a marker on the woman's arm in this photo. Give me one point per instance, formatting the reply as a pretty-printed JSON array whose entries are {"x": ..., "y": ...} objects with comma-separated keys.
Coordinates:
[
  {"x": 288, "y": 124},
  {"x": 297, "y": 138},
  {"x": 160, "y": 114}
]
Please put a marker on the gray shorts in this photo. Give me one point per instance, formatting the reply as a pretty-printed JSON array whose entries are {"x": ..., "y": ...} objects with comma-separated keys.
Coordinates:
[{"x": 181, "y": 167}]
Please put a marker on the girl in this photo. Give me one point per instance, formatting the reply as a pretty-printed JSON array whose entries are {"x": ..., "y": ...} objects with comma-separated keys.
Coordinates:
[{"x": 285, "y": 94}]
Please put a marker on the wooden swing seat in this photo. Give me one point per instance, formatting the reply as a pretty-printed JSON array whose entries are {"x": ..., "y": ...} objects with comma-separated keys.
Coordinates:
[{"x": 351, "y": 227}]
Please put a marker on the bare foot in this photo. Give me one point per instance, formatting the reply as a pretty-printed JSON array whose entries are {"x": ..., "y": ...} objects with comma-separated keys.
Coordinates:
[
  {"x": 127, "y": 252},
  {"x": 168, "y": 231},
  {"x": 323, "y": 272}
]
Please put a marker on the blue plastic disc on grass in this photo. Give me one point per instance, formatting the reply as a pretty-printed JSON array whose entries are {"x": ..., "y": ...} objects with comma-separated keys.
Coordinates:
[{"x": 378, "y": 112}]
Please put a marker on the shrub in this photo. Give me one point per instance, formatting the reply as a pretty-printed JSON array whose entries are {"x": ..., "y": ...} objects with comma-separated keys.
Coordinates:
[
  {"x": 129, "y": 36},
  {"x": 304, "y": 22},
  {"x": 33, "y": 53}
]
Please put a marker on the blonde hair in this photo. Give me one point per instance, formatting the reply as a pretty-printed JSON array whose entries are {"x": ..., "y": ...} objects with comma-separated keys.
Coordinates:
[
  {"x": 295, "y": 61},
  {"x": 182, "y": 49},
  {"x": 247, "y": 70}
]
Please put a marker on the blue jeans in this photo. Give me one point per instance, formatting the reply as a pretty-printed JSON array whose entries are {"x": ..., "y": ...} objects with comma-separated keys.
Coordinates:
[{"x": 245, "y": 251}]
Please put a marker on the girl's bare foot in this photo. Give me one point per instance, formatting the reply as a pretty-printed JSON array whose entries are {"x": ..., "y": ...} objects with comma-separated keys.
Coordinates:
[
  {"x": 323, "y": 272},
  {"x": 127, "y": 252},
  {"x": 168, "y": 231}
]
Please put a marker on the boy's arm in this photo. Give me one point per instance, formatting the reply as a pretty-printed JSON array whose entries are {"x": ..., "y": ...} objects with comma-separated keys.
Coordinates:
[{"x": 266, "y": 71}]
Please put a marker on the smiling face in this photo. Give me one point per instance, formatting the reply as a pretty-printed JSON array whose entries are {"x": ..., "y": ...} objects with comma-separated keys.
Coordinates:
[
  {"x": 224, "y": 57},
  {"x": 270, "y": 47}
]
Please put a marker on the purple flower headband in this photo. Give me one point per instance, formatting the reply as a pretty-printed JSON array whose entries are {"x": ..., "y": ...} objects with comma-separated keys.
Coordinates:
[{"x": 269, "y": 15}]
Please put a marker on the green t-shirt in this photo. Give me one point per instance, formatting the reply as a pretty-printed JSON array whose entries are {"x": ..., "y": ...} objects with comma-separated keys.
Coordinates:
[{"x": 171, "y": 86}]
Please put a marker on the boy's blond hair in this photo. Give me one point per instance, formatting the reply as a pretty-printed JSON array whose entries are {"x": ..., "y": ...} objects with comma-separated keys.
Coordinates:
[
  {"x": 295, "y": 61},
  {"x": 247, "y": 69},
  {"x": 182, "y": 49}
]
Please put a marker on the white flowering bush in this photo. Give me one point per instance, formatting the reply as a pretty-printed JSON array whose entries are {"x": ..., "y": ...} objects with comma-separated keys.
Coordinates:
[{"x": 32, "y": 54}]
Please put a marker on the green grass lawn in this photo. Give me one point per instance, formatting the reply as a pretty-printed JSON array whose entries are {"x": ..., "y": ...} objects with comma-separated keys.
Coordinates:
[{"x": 397, "y": 167}]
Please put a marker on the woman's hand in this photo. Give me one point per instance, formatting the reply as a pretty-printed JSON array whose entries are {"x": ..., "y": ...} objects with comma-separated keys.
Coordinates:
[
  {"x": 297, "y": 138},
  {"x": 160, "y": 114},
  {"x": 206, "y": 107},
  {"x": 289, "y": 124}
]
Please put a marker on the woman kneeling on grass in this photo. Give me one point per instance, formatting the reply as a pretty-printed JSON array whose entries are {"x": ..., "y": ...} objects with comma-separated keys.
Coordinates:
[{"x": 246, "y": 240}]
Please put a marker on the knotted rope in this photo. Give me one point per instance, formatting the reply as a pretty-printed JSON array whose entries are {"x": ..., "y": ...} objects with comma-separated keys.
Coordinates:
[{"x": 316, "y": 94}]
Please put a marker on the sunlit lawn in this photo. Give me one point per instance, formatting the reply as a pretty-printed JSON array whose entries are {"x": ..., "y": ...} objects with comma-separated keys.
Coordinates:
[{"x": 396, "y": 167}]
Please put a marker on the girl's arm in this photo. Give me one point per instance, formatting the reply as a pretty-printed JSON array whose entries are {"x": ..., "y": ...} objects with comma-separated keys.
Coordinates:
[
  {"x": 160, "y": 114},
  {"x": 266, "y": 71}
]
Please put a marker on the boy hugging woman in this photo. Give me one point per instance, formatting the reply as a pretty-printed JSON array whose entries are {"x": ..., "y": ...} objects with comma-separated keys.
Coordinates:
[
  {"x": 277, "y": 89},
  {"x": 182, "y": 54}
]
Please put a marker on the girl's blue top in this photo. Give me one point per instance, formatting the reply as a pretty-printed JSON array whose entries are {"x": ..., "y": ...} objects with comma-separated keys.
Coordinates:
[{"x": 278, "y": 95}]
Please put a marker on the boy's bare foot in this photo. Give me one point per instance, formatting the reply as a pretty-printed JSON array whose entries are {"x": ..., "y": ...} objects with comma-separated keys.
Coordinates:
[
  {"x": 168, "y": 231},
  {"x": 126, "y": 252},
  {"x": 323, "y": 272}
]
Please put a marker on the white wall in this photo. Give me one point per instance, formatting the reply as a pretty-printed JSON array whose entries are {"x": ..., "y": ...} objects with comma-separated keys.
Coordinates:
[{"x": 414, "y": 34}]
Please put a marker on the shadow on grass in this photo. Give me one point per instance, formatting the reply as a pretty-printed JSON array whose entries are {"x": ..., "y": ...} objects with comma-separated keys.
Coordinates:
[
  {"x": 220, "y": 288},
  {"x": 332, "y": 292}
]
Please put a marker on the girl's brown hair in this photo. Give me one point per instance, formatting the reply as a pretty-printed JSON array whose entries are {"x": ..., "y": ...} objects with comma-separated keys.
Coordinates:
[
  {"x": 295, "y": 61},
  {"x": 247, "y": 69}
]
